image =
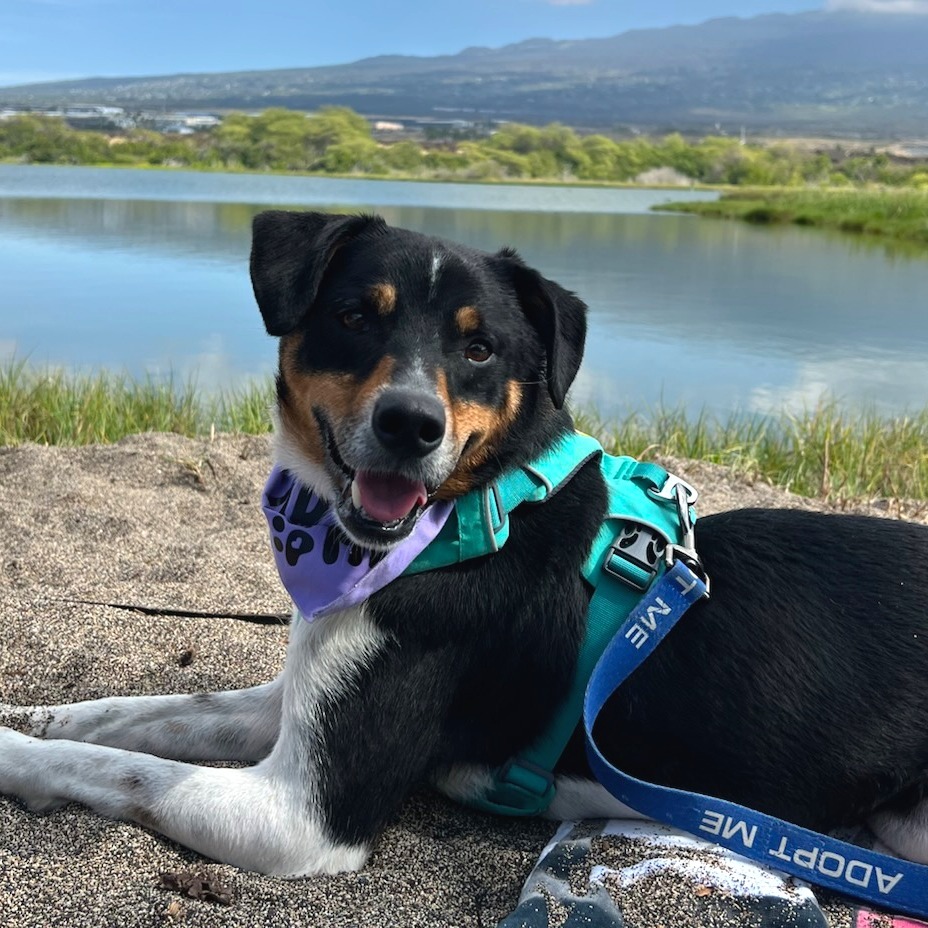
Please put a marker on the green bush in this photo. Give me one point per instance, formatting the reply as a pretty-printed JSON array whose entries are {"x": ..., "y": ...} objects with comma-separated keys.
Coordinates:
[{"x": 336, "y": 140}]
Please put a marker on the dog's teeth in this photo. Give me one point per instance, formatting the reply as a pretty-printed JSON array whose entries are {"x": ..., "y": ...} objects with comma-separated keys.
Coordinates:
[{"x": 355, "y": 494}]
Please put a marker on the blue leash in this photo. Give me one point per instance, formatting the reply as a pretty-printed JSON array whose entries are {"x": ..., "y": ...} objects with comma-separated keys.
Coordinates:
[{"x": 895, "y": 884}]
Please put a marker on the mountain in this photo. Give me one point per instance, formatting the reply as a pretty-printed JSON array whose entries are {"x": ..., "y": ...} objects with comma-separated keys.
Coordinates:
[{"x": 846, "y": 73}]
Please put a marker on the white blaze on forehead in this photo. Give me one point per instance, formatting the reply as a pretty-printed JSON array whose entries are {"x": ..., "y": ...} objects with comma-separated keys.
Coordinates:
[
  {"x": 414, "y": 374},
  {"x": 437, "y": 258}
]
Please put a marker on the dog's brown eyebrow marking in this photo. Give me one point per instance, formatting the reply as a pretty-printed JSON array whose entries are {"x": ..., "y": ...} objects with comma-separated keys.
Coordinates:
[
  {"x": 467, "y": 319},
  {"x": 383, "y": 296}
]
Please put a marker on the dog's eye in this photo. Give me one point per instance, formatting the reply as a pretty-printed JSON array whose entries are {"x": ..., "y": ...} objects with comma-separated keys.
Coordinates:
[
  {"x": 478, "y": 352},
  {"x": 353, "y": 320}
]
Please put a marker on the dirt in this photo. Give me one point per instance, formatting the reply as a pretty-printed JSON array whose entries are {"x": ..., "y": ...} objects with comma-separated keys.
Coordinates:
[{"x": 173, "y": 524}]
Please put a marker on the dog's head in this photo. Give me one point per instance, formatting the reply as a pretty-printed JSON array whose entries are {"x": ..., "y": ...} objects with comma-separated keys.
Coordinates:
[{"x": 411, "y": 368}]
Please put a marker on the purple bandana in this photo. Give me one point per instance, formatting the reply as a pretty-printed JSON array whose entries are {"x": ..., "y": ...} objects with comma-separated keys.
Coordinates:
[{"x": 320, "y": 570}]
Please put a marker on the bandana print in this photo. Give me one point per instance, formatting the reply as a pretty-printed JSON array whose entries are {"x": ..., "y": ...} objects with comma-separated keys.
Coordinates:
[{"x": 322, "y": 571}]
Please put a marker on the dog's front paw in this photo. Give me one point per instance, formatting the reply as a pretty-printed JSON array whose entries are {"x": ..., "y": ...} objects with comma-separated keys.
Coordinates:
[
  {"x": 32, "y": 720},
  {"x": 20, "y": 768}
]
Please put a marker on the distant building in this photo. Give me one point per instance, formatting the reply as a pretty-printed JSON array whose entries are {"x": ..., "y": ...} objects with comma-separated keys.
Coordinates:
[
  {"x": 101, "y": 118},
  {"x": 909, "y": 151},
  {"x": 179, "y": 123}
]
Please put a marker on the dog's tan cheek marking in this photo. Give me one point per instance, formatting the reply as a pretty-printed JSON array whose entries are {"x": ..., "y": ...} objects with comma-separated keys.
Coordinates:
[
  {"x": 331, "y": 392},
  {"x": 487, "y": 425},
  {"x": 467, "y": 320},
  {"x": 379, "y": 377},
  {"x": 339, "y": 396},
  {"x": 441, "y": 387},
  {"x": 383, "y": 298}
]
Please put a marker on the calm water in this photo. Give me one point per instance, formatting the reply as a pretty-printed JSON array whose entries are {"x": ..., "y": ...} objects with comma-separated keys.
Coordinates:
[{"x": 147, "y": 272}]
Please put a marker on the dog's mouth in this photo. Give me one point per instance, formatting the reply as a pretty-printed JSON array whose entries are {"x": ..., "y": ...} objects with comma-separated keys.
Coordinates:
[
  {"x": 387, "y": 498},
  {"x": 375, "y": 509}
]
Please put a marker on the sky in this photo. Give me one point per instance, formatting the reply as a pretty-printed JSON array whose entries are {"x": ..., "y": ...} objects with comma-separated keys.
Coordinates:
[{"x": 61, "y": 39}]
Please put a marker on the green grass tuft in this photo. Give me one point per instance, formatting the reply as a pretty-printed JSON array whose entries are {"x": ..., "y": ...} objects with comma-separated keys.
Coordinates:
[
  {"x": 825, "y": 452},
  {"x": 56, "y": 408},
  {"x": 901, "y": 215}
]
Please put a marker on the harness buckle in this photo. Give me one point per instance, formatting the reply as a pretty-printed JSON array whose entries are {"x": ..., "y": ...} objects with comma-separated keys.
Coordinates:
[
  {"x": 634, "y": 557},
  {"x": 522, "y": 773},
  {"x": 520, "y": 787}
]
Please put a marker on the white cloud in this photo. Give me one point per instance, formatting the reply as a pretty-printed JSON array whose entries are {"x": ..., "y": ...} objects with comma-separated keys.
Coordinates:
[
  {"x": 878, "y": 6},
  {"x": 860, "y": 383}
]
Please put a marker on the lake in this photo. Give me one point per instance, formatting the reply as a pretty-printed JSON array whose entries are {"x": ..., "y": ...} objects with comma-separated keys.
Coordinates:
[{"x": 146, "y": 272}]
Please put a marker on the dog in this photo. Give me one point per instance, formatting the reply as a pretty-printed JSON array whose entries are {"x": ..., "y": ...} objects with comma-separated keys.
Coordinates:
[{"x": 412, "y": 371}]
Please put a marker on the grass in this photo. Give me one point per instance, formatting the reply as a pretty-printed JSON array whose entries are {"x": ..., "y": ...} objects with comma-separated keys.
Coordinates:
[
  {"x": 55, "y": 408},
  {"x": 894, "y": 214},
  {"x": 825, "y": 452}
]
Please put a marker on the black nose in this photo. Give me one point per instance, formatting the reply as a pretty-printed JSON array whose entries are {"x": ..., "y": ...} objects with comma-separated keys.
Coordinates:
[{"x": 408, "y": 422}]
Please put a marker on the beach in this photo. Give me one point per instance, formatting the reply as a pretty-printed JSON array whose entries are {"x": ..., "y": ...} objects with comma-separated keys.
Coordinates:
[{"x": 172, "y": 525}]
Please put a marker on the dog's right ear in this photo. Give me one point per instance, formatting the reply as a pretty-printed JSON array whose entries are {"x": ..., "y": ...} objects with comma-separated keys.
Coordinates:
[
  {"x": 558, "y": 316},
  {"x": 289, "y": 255}
]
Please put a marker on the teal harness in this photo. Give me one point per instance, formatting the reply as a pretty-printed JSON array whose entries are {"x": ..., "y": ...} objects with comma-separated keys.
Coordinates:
[{"x": 648, "y": 513}]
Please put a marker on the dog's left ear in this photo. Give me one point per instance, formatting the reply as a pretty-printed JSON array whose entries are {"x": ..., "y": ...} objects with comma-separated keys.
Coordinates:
[
  {"x": 289, "y": 255},
  {"x": 558, "y": 315}
]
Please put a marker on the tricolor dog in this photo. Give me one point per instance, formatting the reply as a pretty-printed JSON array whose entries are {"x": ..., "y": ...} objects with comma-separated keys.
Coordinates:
[{"x": 415, "y": 374}]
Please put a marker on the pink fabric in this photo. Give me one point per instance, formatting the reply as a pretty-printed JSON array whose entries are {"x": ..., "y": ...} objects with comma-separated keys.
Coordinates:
[{"x": 867, "y": 919}]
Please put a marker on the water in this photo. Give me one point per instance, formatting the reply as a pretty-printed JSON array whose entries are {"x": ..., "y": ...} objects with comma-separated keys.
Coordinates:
[{"x": 146, "y": 272}]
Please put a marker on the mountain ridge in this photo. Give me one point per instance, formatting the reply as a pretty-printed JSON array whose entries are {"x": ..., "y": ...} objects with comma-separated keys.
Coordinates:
[{"x": 847, "y": 72}]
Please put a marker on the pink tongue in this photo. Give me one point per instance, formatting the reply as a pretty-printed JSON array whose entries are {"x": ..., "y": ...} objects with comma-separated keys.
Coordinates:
[{"x": 388, "y": 497}]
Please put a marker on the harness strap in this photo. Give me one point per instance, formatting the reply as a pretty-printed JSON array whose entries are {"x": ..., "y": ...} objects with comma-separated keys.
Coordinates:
[
  {"x": 875, "y": 878},
  {"x": 641, "y": 520},
  {"x": 479, "y": 524},
  {"x": 525, "y": 784}
]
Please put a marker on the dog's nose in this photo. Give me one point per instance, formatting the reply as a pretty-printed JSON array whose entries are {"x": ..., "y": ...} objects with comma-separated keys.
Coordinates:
[{"x": 409, "y": 422}]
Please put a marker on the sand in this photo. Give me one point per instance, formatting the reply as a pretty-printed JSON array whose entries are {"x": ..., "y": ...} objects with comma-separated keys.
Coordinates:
[{"x": 174, "y": 524}]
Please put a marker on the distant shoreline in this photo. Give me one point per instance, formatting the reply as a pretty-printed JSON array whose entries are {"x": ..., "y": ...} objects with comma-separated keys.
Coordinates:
[
  {"x": 398, "y": 178},
  {"x": 893, "y": 215}
]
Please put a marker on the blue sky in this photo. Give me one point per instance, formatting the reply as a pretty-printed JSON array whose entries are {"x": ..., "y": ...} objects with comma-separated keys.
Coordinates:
[{"x": 54, "y": 39}]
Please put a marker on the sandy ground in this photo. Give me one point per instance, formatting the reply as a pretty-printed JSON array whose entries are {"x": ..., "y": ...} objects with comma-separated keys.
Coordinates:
[{"x": 174, "y": 524}]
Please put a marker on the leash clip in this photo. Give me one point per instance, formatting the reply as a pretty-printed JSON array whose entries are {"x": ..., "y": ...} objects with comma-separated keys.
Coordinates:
[
  {"x": 685, "y": 552},
  {"x": 671, "y": 490}
]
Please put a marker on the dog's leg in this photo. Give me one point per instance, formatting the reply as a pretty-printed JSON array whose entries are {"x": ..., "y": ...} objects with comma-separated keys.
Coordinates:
[
  {"x": 259, "y": 818},
  {"x": 272, "y": 817},
  {"x": 232, "y": 725}
]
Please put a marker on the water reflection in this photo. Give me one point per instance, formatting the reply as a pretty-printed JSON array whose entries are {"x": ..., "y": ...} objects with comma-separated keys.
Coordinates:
[{"x": 683, "y": 311}]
